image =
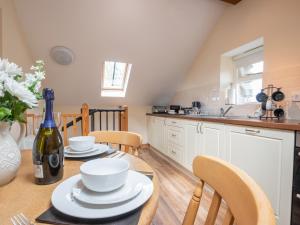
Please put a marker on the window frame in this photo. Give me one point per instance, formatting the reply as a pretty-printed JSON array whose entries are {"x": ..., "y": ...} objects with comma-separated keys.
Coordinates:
[
  {"x": 238, "y": 79},
  {"x": 117, "y": 91}
]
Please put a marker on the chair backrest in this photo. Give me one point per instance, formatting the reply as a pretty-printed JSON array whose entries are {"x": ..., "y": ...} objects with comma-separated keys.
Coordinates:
[
  {"x": 76, "y": 130},
  {"x": 129, "y": 141},
  {"x": 247, "y": 203},
  {"x": 32, "y": 123}
]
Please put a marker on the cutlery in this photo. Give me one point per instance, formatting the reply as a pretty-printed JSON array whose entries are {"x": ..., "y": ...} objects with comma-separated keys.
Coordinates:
[
  {"x": 121, "y": 155},
  {"x": 20, "y": 219},
  {"x": 113, "y": 155}
]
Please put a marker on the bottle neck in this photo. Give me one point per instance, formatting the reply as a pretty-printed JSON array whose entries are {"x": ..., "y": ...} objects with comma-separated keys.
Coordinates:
[{"x": 49, "y": 121}]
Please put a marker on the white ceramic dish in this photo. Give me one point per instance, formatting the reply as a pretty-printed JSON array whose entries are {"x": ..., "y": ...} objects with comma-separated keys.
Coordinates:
[
  {"x": 129, "y": 190},
  {"x": 68, "y": 149},
  {"x": 81, "y": 143},
  {"x": 99, "y": 151},
  {"x": 64, "y": 202},
  {"x": 105, "y": 174}
]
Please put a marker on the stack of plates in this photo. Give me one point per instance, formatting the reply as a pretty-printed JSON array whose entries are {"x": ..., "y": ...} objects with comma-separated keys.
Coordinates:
[
  {"x": 72, "y": 198},
  {"x": 97, "y": 149}
]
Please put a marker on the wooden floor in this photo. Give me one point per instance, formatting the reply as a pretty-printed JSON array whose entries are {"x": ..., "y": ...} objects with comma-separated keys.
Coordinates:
[{"x": 176, "y": 188}]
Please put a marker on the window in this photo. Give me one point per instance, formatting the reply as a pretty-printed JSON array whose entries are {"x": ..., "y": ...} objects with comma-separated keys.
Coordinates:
[
  {"x": 248, "y": 73},
  {"x": 115, "y": 79}
]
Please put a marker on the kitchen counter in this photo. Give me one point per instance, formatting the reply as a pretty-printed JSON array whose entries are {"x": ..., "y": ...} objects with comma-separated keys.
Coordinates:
[{"x": 293, "y": 125}]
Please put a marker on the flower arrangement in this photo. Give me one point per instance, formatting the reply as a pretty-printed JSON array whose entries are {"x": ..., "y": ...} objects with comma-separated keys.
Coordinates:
[{"x": 19, "y": 91}]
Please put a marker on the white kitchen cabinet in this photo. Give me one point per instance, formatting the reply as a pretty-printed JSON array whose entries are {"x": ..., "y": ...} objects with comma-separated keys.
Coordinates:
[
  {"x": 213, "y": 140},
  {"x": 193, "y": 140},
  {"x": 267, "y": 156},
  {"x": 156, "y": 133}
]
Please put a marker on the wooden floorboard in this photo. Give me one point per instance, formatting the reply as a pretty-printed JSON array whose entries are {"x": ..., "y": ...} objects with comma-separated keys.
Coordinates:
[{"x": 176, "y": 189}]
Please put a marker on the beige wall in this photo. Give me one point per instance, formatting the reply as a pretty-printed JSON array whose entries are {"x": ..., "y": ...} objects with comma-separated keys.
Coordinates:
[
  {"x": 13, "y": 43},
  {"x": 14, "y": 46},
  {"x": 136, "y": 117},
  {"x": 275, "y": 20}
]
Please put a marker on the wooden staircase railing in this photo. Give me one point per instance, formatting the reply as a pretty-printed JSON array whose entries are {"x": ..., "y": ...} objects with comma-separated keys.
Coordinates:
[{"x": 88, "y": 122}]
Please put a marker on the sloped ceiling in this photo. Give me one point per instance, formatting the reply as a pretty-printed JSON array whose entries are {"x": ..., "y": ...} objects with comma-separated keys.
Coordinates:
[{"x": 159, "y": 37}]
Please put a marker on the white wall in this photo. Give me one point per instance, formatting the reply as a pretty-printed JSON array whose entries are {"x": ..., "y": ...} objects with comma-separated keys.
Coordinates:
[{"x": 277, "y": 21}]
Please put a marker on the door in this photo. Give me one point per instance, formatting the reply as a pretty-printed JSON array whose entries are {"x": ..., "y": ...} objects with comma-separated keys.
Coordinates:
[
  {"x": 265, "y": 155},
  {"x": 213, "y": 140},
  {"x": 192, "y": 143}
]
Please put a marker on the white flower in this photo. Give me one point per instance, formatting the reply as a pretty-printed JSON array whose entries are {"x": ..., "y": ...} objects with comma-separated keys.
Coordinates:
[
  {"x": 40, "y": 75},
  {"x": 29, "y": 79},
  {"x": 37, "y": 87},
  {"x": 21, "y": 92},
  {"x": 11, "y": 69},
  {"x": 1, "y": 89}
]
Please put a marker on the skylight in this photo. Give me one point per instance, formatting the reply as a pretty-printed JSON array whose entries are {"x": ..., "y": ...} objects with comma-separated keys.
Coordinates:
[{"x": 115, "y": 79}]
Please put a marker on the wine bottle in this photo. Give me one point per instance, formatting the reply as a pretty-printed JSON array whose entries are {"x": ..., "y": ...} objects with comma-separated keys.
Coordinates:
[{"x": 48, "y": 149}]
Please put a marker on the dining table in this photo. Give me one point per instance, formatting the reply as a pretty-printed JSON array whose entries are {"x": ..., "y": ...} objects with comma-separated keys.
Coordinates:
[{"x": 22, "y": 195}]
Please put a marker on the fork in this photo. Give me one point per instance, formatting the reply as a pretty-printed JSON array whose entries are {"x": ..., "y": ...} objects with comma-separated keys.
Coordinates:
[{"x": 20, "y": 219}]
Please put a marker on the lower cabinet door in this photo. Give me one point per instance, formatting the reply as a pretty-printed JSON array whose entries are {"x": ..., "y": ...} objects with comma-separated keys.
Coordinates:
[
  {"x": 213, "y": 140},
  {"x": 267, "y": 156}
]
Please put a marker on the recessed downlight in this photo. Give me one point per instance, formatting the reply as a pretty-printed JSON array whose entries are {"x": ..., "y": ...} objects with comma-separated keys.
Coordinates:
[{"x": 62, "y": 55}]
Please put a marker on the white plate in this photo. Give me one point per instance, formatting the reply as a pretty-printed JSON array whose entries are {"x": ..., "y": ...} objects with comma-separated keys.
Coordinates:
[
  {"x": 69, "y": 150},
  {"x": 129, "y": 190},
  {"x": 64, "y": 202},
  {"x": 101, "y": 149}
]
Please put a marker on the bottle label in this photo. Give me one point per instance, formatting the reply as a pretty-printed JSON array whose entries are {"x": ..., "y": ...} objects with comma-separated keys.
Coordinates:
[{"x": 38, "y": 171}]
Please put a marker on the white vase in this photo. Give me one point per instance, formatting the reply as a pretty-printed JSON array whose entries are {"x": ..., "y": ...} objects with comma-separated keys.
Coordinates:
[{"x": 10, "y": 156}]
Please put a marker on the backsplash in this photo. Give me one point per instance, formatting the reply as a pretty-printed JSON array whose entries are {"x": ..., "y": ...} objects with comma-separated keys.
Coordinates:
[{"x": 212, "y": 101}]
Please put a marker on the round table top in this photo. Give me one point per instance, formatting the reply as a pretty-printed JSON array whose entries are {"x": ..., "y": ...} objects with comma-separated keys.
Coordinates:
[{"x": 22, "y": 195}]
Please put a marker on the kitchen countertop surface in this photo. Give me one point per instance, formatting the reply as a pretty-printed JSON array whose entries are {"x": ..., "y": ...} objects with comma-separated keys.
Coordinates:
[{"x": 293, "y": 125}]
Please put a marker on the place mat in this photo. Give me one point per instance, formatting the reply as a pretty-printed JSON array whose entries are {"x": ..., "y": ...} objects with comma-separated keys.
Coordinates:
[{"x": 53, "y": 216}]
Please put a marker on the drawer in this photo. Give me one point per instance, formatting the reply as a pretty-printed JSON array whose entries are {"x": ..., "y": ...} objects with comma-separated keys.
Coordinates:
[
  {"x": 175, "y": 153},
  {"x": 174, "y": 123},
  {"x": 296, "y": 207},
  {"x": 175, "y": 135}
]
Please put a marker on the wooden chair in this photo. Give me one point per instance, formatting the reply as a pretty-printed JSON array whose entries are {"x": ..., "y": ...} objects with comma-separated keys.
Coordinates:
[
  {"x": 130, "y": 142},
  {"x": 247, "y": 203},
  {"x": 68, "y": 117}
]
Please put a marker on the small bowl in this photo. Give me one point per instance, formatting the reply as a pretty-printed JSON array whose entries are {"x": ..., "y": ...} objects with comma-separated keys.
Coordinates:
[
  {"x": 81, "y": 143},
  {"x": 102, "y": 175}
]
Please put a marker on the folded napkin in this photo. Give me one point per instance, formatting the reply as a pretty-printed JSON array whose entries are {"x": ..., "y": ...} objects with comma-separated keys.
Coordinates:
[{"x": 53, "y": 216}]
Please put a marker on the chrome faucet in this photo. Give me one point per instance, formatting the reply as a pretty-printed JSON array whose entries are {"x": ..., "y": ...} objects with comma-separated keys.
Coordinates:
[{"x": 223, "y": 112}]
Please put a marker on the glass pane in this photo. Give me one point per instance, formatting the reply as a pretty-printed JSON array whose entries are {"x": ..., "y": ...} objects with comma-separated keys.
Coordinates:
[
  {"x": 247, "y": 90},
  {"x": 254, "y": 68},
  {"x": 114, "y": 73}
]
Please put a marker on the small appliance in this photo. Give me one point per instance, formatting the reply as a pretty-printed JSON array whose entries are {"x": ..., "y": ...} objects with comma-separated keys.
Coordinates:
[
  {"x": 159, "y": 109},
  {"x": 176, "y": 108}
]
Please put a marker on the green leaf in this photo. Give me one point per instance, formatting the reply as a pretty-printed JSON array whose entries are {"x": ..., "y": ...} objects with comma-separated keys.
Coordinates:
[{"x": 5, "y": 113}]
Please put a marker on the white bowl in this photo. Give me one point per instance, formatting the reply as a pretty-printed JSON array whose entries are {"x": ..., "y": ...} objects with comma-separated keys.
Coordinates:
[
  {"x": 81, "y": 143},
  {"x": 102, "y": 175}
]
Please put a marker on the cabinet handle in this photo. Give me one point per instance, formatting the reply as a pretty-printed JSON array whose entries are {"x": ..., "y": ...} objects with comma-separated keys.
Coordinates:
[
  {"x": 197, "y": 129},
  {"x": 250, "y": 131},
  {"x": 173, "y": 152},
  {"x": 174, "y": 122},
  {"x": 173, "y": 135},
  {"x": 298, "y": 196},
  {"x": 200, "y": 128},
  {"x": 298, "y": 154},
  {"x": 165, "y": 122}
]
